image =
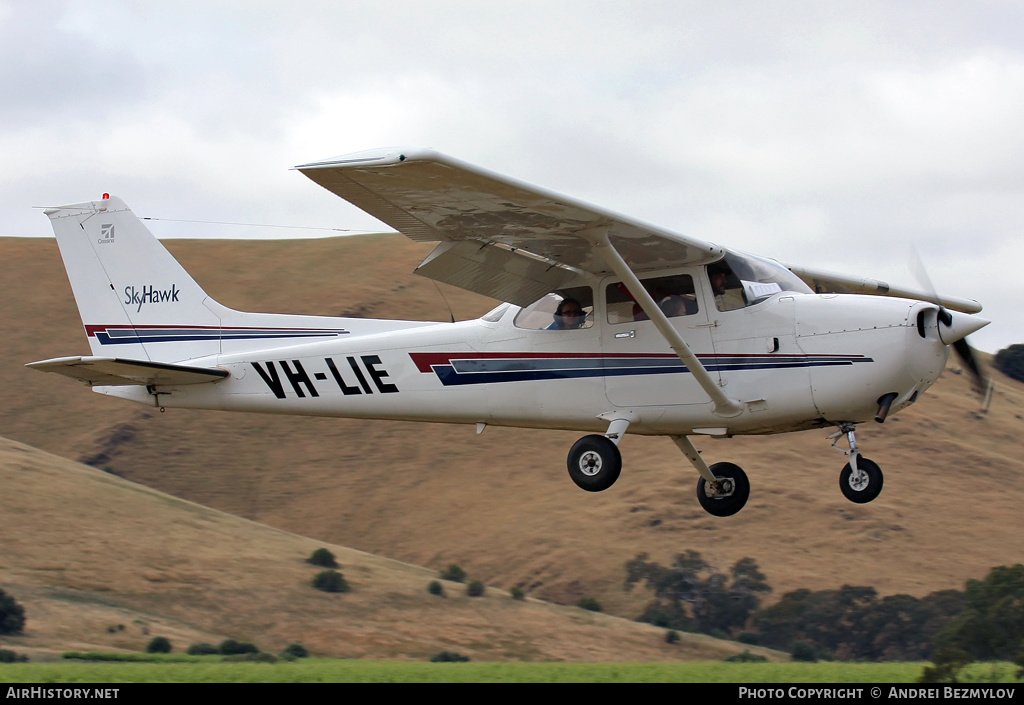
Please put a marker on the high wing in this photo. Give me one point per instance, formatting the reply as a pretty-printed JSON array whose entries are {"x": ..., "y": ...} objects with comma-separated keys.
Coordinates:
[
  {"x": 824, "y": 282},
  {"x": 499, "y": 237},
  {"x": 112, "y": 371}
]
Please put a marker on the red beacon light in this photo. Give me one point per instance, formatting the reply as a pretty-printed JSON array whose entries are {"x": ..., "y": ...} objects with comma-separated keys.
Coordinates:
[{"x": 106, "y": 197}]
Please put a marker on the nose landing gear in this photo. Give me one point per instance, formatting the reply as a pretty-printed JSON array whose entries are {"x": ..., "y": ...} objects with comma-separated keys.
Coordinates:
[{"x": 860, "y": 479}]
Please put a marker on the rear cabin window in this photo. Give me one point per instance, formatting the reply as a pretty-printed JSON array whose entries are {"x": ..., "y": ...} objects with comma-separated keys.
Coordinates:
[{"x": 674, "y": 295}]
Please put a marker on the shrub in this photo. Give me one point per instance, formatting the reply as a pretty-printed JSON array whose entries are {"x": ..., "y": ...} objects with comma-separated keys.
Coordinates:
[
  {"x": 230, "y": 647},
  {"x": 256, "y": 657},
  {"x": 323, "y": 558},
  {"x": 745, "y": 657},
  {"x": 448, "y": 657},
  {"x": 589, "y": 603},
  {"x": 330, "y": 581},
  {"x": 1010, "y": 361},
  {"x": 803, "y": 651},
  {"x": 475, "y": 589},
  {"x": 671, "y": 636},
  {"x": 295, "y": 651},
  {"x": 158, "y": 645},
  {"x": 517, "y": 593},
  {"x": 12, "y": 615},
  {"x": 8, "y": 656},
  {"x": 436, "y": 588},
  {"x": 453, "y": 573},
  {"x": 202, "y": 649},
  {"x": 947, "y": 663}
]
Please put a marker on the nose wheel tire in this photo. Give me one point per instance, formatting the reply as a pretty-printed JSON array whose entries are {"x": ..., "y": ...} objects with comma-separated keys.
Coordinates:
[
  {"x": 728, "y": 495},
  {"x": 594, "y": 463},
  {"x": 864, "y": 485}
]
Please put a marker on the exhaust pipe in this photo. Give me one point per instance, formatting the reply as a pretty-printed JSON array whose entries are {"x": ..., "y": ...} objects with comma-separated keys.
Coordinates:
[{"x": 884, "y": 403}]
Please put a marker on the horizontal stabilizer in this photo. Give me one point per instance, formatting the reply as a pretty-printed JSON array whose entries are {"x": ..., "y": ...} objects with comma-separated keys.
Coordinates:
[{"x": 112, "y": 371}]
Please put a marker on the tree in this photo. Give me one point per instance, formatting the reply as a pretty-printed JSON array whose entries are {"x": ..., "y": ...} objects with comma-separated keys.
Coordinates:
[
  {"x": 323, "y": 558},
  {"x": 1010, "y": 361},
  {"x": 330, "y": 581},
  {"x": 295, "y": 651},
  {"x": 453, "y": 573},
  {"x": 231, "y": 647},
  {"x": 852, "y": 623},
  {"x": 691, "y": 595},
  {"x": 991, "y": 627},
  {"x": 158, "y": 645},
  {"x": 202, "y": 649},
  {"x": 12, "y": 615}
]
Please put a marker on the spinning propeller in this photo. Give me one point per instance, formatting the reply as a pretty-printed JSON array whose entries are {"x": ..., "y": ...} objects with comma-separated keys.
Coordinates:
[{"x": 954, "y": 327}]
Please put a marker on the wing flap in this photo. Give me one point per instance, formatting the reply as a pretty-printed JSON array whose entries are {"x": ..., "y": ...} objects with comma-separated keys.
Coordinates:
[
  {"x": 112, "y": 371},
  {"x": 495, "y": 271}
]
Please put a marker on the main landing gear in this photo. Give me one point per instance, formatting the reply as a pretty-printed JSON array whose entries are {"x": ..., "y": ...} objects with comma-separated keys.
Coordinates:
[
  {"x": 594, "y": 461},
  {"x": 723, "y": 489},
  {"x": 594, "y": 464}
]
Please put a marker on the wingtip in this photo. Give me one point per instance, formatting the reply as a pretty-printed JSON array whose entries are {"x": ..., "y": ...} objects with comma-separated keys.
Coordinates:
[{"x": 387, "y": 156}]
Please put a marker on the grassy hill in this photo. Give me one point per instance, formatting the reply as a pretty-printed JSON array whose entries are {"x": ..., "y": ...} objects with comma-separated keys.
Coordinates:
[
  {"x": 100, "y": 563},
  {"x": 500, "y": 504}
]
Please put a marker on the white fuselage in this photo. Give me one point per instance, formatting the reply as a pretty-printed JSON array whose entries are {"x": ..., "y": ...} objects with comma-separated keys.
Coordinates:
[{"x": 794, "y": 361}]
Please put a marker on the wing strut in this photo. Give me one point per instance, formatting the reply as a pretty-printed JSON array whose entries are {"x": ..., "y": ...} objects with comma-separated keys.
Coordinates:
[{"x": 724, "y": 406}]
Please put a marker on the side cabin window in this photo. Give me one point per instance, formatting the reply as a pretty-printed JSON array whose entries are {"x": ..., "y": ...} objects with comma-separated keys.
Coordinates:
[
  {"x": 674, "y": 295},
  {"x": 738, "y": 281},
  {"x": 565, "y": 309}
]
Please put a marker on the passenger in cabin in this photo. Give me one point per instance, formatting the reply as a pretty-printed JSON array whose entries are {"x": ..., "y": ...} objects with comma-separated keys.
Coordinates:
[{"x": 676, "y": 305}]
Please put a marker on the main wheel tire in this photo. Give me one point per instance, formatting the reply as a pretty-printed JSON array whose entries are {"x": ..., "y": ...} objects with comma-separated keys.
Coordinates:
[
  {"x": 736, "y": 492},
  {"x": 594, "y": 463},
  {"x": 865, "y": 485}
]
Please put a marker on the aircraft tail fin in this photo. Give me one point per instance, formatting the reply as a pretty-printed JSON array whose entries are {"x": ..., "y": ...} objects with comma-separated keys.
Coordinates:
[
  {"x": 130, "y": 290},
  {"x": 139, "y": 304}
]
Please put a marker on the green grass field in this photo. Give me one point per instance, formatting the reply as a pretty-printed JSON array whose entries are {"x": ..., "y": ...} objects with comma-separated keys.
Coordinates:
[{"x": 212, "y": 670}]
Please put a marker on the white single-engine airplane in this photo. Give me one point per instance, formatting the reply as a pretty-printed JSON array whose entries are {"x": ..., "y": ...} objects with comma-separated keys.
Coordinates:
[{"x": 611, "y": 325}]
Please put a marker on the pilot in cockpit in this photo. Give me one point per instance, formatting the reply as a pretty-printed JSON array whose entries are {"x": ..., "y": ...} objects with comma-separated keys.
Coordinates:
[
  {"x": 568, "y": 316},
  {"x": 726, "y": 286}
]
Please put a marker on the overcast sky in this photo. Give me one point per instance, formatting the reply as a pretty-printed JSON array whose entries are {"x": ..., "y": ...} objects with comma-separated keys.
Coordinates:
[{"x": 832, "y": 134}]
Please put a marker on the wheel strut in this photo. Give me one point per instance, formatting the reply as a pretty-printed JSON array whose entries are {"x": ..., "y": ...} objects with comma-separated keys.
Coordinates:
[
  {"x": 847, "y": 429},
  {"x": 694, "y": 456},
  {"x": 861, "y": 479}
]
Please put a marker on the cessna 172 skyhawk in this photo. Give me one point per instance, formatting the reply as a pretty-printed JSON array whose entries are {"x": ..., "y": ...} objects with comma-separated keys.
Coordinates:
[{"x": 610, "y": 325}]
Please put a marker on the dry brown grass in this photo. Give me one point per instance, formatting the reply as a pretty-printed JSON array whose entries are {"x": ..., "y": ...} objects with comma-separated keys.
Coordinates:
[
  {"x": 500, "y": 504},
  {"x": 102, "y": 563}
]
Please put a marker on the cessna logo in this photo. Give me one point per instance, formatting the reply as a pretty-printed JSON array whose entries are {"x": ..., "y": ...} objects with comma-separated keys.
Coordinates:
[
  {"x": 106, "y": 233},
  {"x": 150, "y": 295}
]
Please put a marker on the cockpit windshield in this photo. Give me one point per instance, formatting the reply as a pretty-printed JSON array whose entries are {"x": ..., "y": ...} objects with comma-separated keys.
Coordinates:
[{"x": 740, "y": 280}]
